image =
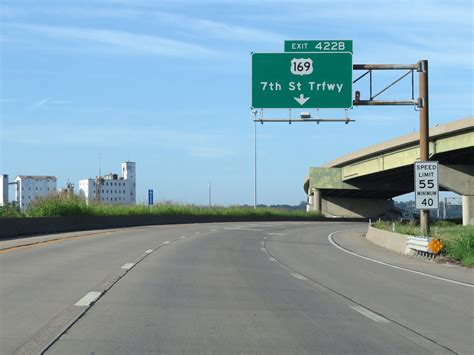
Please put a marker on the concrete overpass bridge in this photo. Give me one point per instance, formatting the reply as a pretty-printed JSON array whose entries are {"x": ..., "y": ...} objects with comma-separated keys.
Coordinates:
[{"x": 363, "y": 183}]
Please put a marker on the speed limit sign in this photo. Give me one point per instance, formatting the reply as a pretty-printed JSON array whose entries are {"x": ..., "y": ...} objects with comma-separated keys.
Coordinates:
[{"x": 426, "y": 185}]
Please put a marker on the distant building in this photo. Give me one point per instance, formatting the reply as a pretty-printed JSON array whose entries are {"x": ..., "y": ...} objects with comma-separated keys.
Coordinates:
[
  {"x": 30, "y": 187},
  {"x": 3, "y": 190},
  {"x": 111, "y": 188}
]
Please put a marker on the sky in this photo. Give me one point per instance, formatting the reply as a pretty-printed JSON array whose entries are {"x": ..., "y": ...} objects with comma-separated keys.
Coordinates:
[{"x": 86, "y": 85}]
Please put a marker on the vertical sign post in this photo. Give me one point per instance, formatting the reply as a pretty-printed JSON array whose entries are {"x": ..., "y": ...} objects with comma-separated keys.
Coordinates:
[
  {"x": 424, "y": 132},
  {"x": 255, "y": 164},
  {"x": 209, "y": 187}
]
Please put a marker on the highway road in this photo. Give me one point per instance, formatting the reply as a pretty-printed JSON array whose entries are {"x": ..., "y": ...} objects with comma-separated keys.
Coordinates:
[{"x": 225, "y": 288}]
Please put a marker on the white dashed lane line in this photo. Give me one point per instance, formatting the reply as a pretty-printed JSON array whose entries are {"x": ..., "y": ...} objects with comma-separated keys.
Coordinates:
[
  {"x": 127, "y": 266},
  {"x": 263, "y": 249},
  {"x": 164, "y": 243},
  {"x": 88, "y": 299},
  {"x": 375, "y": 317},
  {"x": 272, "y": 259},
  {"x": 243, "y": 229},
  {"x": 182, "y": 237},
  {"x": 149, "y": 251}
]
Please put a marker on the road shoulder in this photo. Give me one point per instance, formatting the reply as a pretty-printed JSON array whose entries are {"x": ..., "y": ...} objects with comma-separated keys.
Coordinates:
[{"x": 355, "y": 241}]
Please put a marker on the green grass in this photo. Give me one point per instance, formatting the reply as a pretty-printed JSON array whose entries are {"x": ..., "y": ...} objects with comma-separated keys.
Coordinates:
[
  {"x": 61, "y": 206},
  {"x": 10, "y": 212},
  {"x": 458, "y": 240}
]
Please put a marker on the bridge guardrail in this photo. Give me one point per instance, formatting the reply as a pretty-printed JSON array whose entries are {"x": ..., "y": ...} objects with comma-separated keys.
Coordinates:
[{"x": 425, "y": 246}]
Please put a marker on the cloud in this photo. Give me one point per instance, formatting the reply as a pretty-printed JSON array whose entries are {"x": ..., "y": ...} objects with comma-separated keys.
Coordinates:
[
  {"x": 195, "y": 144},
  {"x": 210, "y": 152},
  {"x": 48, "y": 102},
  {"x": 38, "y": 104},
  {"x": 7, "y": 100},
  {"x": 232, "y": 32},
  {"x": 131, "y": 42},
  {"x": 370, "y": 12},
  {"x": 195, "y": 25}
]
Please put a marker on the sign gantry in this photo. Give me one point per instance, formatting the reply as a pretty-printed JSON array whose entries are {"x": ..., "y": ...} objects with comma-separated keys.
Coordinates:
[{"x": 318, "y": 74}]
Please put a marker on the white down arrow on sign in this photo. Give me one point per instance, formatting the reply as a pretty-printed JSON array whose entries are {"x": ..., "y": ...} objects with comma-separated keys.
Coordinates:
[{"x": 301, "y": 100}]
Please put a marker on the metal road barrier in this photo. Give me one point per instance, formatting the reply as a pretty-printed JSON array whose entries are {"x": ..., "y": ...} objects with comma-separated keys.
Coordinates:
[{"x": 425, "y": 246}]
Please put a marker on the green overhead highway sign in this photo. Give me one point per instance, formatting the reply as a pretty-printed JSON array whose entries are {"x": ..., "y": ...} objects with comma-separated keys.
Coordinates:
[
  {"x": 302, "y": 80},
  {"x": 318, "y": 46}
]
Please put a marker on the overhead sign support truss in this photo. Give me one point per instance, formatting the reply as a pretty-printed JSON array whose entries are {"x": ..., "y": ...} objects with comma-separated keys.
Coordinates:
[
  {"x": 370, "y": 68},
  {"x": 358, "y": 101}
]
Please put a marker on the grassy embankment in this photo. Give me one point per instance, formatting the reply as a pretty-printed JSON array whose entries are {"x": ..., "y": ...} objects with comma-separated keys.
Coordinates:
[
  {"x": 57, "y": 206},
  {"x": 458, "y": 240}
]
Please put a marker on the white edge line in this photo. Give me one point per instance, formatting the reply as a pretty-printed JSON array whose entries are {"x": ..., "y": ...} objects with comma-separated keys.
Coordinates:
[
  {"x": 369, "y": 314},
  {"x": 393, "y": 266},
  {"x": 88, "y": 299},
  {"x": 298, "y": 276},
  {"x": 149, "y": 251},
  {"x": 127, "y": 266}
]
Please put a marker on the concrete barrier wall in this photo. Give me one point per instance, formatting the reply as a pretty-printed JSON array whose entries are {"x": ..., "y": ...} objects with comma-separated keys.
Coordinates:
[
  {"x": 17, "y": 227},
  {"x": 393, "y": 241}
]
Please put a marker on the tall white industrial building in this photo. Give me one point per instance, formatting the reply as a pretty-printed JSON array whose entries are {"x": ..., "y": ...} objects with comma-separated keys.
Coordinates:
[
  {"x": 30, "y": 187},
  {"x": 111, "y": 188},
  {"x": 3, "y": 189}
]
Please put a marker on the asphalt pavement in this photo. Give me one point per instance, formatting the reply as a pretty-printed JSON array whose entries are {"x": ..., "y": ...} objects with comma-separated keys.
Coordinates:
[{"x": 246, "y": 288}]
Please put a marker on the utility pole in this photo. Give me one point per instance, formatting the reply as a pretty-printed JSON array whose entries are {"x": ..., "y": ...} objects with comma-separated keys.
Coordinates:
[
  {"x": 209, "y": 197},
  {"x": 424, "y": 132}
]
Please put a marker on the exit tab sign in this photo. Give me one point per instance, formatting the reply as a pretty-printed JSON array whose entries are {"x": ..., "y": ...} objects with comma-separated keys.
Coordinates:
[{"x": 318, "y": 46}]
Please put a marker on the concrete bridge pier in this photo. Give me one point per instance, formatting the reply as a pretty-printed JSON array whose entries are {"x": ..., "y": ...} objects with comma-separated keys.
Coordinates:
[
  {"x": 460, "y": 179},
  {"x": 467, "y": 210},
  {"x": 310, "y": 204},
  {"x": 314, "y": 202},
  {"x": 317, "y": 200}
]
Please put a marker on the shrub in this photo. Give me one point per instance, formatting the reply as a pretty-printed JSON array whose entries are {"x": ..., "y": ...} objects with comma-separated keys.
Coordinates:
[
  {"x": 10, "y": 211},
  {"x": 74, "y": 206},
  {"x": 58, "y": 206},
  {"x": 462, "y": 248}
]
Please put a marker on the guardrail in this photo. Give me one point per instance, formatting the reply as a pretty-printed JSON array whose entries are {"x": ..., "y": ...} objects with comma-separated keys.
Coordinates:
[{"x": 425, "y": 246}]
